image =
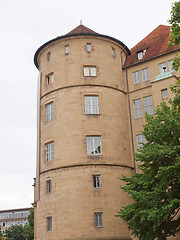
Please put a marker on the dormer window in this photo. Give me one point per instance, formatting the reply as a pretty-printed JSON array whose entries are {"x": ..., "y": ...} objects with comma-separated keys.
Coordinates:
[{"x": 141, "y": 54}]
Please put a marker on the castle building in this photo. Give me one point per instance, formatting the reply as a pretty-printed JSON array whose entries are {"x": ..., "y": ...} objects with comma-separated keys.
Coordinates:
[
  {"x": 12, "y": 217},
  {"x": 93, "y": 95}
]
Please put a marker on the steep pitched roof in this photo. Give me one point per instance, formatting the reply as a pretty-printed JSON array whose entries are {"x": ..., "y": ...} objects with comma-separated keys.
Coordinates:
[
  {"x": 81, "y": 29},
  {"x": 154, "y": 44}
]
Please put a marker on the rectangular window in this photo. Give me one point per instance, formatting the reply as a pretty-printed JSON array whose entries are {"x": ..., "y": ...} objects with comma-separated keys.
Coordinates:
[
  {"x": 136, "y": 77},
  {"x": 145, "y": 74},
  {"x": 137, "y": 108},
  {"x": 113, "y": 52},
  {"x": 98, "y": 219},
  {"x": 48, "y": 56},
  {"x": 88, "y": 47},
  {"x": 49, "y": 151},
  {"x": 162, "y": 68},
  {"x": 49, "y": 112},
  {"x": 93, "y": 145},
  {"x": 49, "y": 223},
  {"x": 140, "y": 139},
  {"x": 67, "y": 49},
  {"x": 89, "y": 71},
  {"x": 91, "y": 104},
  {"x": 96, "y": 181},
  {"x": 140, "y": 55},
  {"x": 170, "y": 66},
  {"x": 164, "y": 93},
  {"x": 49, "y": 78},
  {"x": 148, "y": 107},
  {"x": 49, "y": 186}
]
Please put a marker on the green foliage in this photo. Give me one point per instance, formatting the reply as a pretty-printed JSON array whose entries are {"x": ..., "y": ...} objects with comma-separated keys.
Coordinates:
[
  {"x": 29, "y": 227},
  {"x": 156, "y": 190},
  {"x": 176, "y": 90},
  {"x": 175, "y": 31},
  {"x": 15, "y": 232}
]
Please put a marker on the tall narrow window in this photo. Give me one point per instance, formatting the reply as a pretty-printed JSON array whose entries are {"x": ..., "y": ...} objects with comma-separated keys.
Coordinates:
[
  {"x": 93, "y": 145},
  {"x": 49, "y": 223},
  {"x": 98, "y": 219},
  {"x": 96, "y": 181},
  {"x": 162, "y": 68},
  {"x": 148, "y": 107},
  {"x": 67, "y": 49},
  {"x": 49, "y": 151},
  {"x": 113, "y": 52},
  {"x": 88, "y": 47},
  {"x": 48, "y": 56},
  {"x": 49, "y": 112},
  {"x": 49, "y": 78},
  {"x": 145, "y": 74},
  {"x": 49, "y": 186},
  {"x": 90, "y": 71},
  {"x": 137, "y": 108},
  {"x": 91, "y": 104},
  {"x": 140, "y": 139},
  {"x": 136, "y": 77},
  {"x": 164, "y": 93}
]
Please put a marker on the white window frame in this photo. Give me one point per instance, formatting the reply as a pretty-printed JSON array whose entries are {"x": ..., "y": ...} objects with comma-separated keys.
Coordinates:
[
  {"x": 91, "y": 104},
  {"x": 66, "y": 49},
  {"x": 98, "y": 218},
  {"x": 88, "y": 47},
  {"x": 49, "y": 186},
  {"x": 148, "y": 106},
  {"x": 137, "y": 108},
  {"x": 145, "y": 74},
  {"x": 50, "y": 79},
  {"x": 49, "y": 151},
  {"x": 93, "y": 145},
  {"x": 96, "y": 181},
  {"x": 136, "y": 77},
  {"x": 90, "y": 71},
  {"x": 164, "y": 93},
  {"x": 49, "y": 112},
  {"x": 162, "y": 67},
  {"x": 140, "y": 139},
  {"x": 49, "y": 223}
]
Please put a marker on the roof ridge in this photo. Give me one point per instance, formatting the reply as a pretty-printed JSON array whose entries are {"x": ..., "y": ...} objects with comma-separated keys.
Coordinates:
[{"x": 81, "y": 29}]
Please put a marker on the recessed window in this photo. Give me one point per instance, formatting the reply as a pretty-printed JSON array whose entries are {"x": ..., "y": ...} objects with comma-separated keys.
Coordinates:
[
  {"x": 49, "y": 112},
  {"x": 113, "y": 52},
  {"x": 170, "y": 66},
  {"x": 98, "y": 219},
  {"x": 141, "y": 54},
  {"x": 49, "y": 186},
  {"x": 145, "y": 74},
  {"x": 164, "y": 93},
  {"x": 96, "y": 181},
  {"x": 148, "y": 107},
  {"x": 137, "y": 108},
  {"x": 50, "y": 151},
  {"x": 91, "y": 104},
  {"x": 67, "y": 49},
  {"x": 162, "y": 68},
  {"x": 88, "y": 47},
  {"x": 48, "y": 56},
  {"x": 93, "y": 145},
  {"x": 89, "y": 71},
  {"x": 49, "y": 223},
  {"x": 49, "y": 78},
  {"x": 136, "y": 77},
  {"x": 140, "y": 140}
]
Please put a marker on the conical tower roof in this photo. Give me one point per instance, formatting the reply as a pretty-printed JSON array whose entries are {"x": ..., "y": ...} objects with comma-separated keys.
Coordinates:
[{"x": 81, "y": 29}]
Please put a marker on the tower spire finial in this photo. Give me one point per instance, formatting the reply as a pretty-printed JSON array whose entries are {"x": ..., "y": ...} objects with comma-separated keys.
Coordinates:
[{"x": 80, "y": 21}]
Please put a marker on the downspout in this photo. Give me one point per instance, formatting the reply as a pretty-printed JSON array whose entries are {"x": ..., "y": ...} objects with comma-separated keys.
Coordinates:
[{"x": 130, "y": 116}]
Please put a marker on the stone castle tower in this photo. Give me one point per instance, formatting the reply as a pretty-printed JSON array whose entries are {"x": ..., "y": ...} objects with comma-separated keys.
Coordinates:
[{"x": 85, "y": 137}]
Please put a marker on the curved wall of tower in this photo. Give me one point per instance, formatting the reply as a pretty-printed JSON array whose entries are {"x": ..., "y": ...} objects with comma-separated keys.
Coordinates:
[{"x": 84, "y": 139}]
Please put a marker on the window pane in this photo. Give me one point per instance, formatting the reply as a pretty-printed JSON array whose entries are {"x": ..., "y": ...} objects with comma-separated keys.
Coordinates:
[
  {"x": 140, "y": 139},
  {"x": 145, "y": 74},
  {"x": 93, "y": 145},
  {"x": 91, "y": 105},
  {"x": 164, "y": 93},
  {"x": 98, "y": 219},
  {"x": 66, "y": 49},
  {"x": 137, "y": 108},
  {"x": 136, "y": 77},
  {"x": 162, "y": 68},
  {"x": 49, "y": 112},
  {"x": 93, "y": 71},
  {"x": 148, "y": 105},
  {"x": 50, "y": 151},
  {"x": 170, "y": 66},
  {"x": 86, "y": 71},
  {"x": 88, "y": 47}
]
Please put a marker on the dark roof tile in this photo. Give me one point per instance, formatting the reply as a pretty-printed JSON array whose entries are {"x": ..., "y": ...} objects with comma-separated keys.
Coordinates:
[{"x": 81, "y": 29}]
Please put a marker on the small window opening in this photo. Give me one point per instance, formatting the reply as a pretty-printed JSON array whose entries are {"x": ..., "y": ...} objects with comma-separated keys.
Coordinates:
[{"x": 88, "y": 47}]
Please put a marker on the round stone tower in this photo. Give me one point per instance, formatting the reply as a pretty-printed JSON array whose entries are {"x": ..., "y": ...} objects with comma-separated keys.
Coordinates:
[{"x": 84, "y": 139}]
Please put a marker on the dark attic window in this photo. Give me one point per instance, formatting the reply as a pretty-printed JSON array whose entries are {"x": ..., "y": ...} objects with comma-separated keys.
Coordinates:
[{"x": 141, "y": 54}]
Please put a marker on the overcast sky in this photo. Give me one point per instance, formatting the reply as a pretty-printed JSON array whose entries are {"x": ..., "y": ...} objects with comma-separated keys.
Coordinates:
[{"x": 25, "y": 25}]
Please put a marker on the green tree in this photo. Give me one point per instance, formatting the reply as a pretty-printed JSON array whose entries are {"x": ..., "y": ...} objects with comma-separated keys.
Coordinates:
[
  {"x": 175, "y": 31},
  {"x": 156, "y": 190},
  {"x": 15, "y": 232},
  {"x": 29, "y": 227}
]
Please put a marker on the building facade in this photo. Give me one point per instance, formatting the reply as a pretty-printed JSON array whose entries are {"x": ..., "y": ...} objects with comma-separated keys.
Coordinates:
[
  {"x": 93, "y": 93},
  {"x": 12, "y": 217}
]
